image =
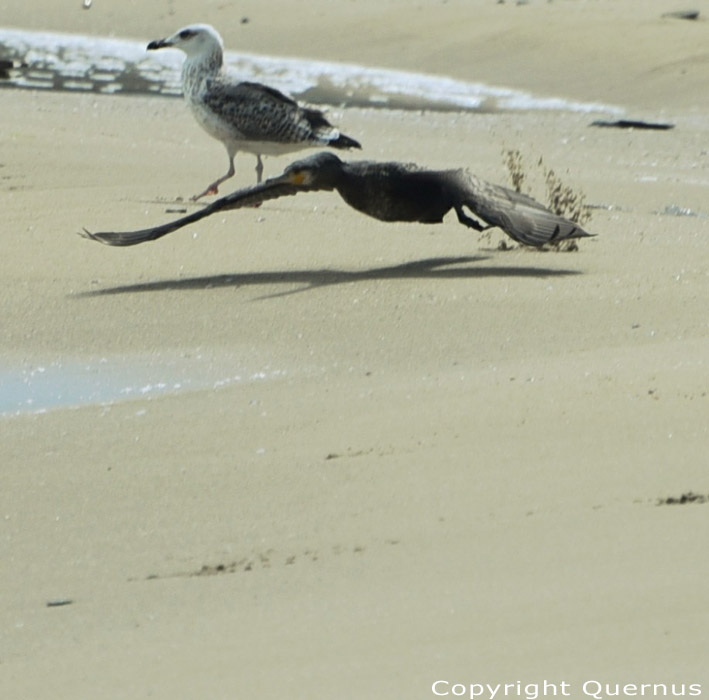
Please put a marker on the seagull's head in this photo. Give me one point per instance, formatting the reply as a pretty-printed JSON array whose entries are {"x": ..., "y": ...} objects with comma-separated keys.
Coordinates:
[
  {"x": 321, "y": 171},
  {"x": 194, "y": 40}
]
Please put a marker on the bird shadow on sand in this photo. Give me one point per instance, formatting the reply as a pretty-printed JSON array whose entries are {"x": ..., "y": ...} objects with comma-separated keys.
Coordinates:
[{"x": 428, "y": 268}]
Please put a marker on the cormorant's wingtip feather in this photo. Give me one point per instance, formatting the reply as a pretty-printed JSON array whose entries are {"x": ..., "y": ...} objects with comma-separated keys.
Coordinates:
[
  {"x": 85, "y": 233},
  {"x": 114, "y": 238}
]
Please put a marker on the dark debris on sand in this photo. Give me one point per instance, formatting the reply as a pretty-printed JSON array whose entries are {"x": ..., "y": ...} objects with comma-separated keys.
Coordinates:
[{"x": 684, "y": 499}]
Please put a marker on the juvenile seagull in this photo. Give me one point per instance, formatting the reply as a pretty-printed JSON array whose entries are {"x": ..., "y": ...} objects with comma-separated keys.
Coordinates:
[
  {"x": 389, "y": 192},
  {"x": 243, "y": 116}
]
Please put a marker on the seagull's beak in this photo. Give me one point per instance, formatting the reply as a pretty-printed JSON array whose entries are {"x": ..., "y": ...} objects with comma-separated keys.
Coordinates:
[{"x": 159, "y": 44}]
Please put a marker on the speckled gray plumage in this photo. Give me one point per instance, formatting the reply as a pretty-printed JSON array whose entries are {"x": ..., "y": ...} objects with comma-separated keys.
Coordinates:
[{"x": 257, "y": 113}]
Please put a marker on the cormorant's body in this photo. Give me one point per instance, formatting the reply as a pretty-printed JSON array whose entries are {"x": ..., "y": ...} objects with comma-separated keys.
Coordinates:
[{"x": 394, "y": 191}]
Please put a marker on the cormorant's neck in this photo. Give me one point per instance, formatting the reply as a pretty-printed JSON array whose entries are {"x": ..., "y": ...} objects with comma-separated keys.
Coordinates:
[{"x": 344, "y": 176}]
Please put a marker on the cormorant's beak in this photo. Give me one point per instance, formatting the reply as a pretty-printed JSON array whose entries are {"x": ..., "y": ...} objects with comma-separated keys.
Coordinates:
[
  {"x": 297, "y": 177},
  {"x": 293, "y": 177},
  {"x": 159, "y": 44}
]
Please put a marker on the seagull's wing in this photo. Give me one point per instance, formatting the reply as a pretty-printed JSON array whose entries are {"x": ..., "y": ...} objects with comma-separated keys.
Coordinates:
[
  {"x": 257, "y": 112},
  {"x": 248, "y": 197},
  {"x": 519, "y": 216}
]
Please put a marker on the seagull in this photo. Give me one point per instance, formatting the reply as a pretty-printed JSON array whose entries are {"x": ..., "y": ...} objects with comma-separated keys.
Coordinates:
[
  {"x": 244, "y": 116},
  {"x": 388, "y": 192}
]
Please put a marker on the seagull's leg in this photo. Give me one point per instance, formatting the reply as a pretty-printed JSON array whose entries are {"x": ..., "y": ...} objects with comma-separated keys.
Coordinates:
[
  {"x": 259, "y": 177},
  {"x": 214, "y": 187},
  {"x": 467, "y": 221}
]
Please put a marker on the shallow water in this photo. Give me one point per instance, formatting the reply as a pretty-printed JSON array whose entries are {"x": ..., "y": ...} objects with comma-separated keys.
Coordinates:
[
  {"x": 41, "y": 60},
  {"x": 39, "y": 388}
]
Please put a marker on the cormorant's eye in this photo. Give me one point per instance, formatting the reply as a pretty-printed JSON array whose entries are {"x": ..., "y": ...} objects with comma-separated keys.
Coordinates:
[{"x": 186, "y": 34}]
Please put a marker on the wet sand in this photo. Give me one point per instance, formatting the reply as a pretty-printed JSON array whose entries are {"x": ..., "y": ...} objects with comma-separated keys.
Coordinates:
[{"x": 455, "y": 473}]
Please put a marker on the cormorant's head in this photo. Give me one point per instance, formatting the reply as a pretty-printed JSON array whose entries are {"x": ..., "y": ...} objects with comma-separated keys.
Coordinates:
[
  {"x": 319, "y": 172},
  {"x": 195, "y": 40}
]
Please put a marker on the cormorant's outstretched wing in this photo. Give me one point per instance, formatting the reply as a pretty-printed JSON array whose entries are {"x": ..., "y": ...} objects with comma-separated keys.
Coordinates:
[
  {"x": 273, "y": 188},
  {"x": 519, "y": 216}
]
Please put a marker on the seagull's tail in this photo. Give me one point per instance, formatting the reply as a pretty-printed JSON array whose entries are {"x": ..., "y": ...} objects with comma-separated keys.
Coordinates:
[{"x": 344, "y": 142}]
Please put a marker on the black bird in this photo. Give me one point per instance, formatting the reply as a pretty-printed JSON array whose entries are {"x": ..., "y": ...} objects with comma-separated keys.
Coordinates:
[{"x": 389, "y": 192}]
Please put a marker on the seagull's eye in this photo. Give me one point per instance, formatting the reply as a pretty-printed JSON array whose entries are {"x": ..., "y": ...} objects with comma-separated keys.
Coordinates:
[{"x": 186, "y": 34}]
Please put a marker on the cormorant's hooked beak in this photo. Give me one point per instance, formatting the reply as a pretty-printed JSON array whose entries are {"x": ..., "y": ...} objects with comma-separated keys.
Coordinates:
[
  {"x": 159, "y": 44},
  {"x": 294, "y": 177},
  {"x": 298, "y": 178}
]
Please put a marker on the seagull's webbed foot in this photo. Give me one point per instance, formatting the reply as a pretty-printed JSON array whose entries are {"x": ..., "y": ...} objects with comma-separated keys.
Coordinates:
[
  {"x": 211, "y": 190},
  {"x": 214, "y": 187},
  {"x": 467, "y": 221}
]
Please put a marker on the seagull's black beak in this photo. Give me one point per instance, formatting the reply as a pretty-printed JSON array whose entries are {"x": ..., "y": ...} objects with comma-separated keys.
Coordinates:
[{"x": 159, "y": 44}]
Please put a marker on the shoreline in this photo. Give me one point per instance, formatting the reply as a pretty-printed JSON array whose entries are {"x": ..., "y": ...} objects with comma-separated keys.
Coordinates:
[{"x": 112, "y": 66}]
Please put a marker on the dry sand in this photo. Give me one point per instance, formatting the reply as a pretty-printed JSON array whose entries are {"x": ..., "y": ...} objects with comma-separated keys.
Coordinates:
[{"x": 454, "y": 474}]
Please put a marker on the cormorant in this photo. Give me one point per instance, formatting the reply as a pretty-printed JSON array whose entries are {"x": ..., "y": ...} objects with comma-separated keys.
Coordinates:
[{"x": 389, "y": 192}]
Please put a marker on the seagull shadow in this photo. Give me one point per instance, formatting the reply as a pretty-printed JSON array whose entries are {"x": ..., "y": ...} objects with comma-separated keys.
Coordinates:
[{"x": 428, "y": 268}]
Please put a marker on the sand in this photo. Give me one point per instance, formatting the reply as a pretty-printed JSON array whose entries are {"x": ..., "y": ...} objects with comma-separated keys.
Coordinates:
[{"x": 444, "y": 460}]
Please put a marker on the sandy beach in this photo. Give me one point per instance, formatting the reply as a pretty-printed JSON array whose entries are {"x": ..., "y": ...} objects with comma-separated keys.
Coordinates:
[{"x": 411, "y": 457}]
